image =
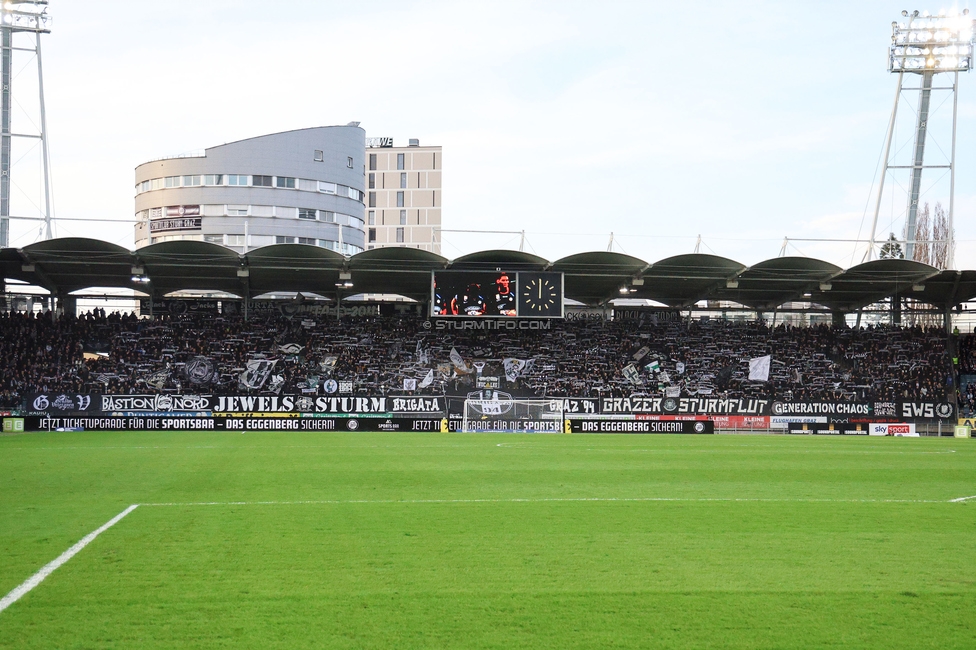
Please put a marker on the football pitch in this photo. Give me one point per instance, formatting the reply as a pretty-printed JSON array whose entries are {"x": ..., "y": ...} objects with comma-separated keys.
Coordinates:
[{"x": 370, "y": 540}]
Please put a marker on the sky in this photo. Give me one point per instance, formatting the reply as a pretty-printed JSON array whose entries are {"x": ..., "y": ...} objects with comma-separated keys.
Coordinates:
[{"x": 647, "y": 123}]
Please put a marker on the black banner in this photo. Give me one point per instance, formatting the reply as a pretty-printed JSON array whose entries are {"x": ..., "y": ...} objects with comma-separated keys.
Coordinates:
[
  {"x": 453, "y": 406},
  {"x": 227, "y": 423},
  {"x": 177, "y": 307},
  {"x": 640, "y": 426}
]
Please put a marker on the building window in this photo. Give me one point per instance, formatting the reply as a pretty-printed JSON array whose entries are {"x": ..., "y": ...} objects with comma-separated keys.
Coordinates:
[
  {"x": 372, "y": 234},
  {"x": 155, "y": 213},
  {"x": 285, "y": 181},
  {"x": 306, "y": 213},
  {"x": 213, "y": 179},
  {"x": 171, "y": 181},
  {"x": 399, "y": 200},
  {"x": 372, "y": 181},
  {"x": 236, "y": 179},
  {"x": 372, "y": 161},
  {"x": 261, "y": 181},
  {"x": 235, "y": 240},
  {"x": 192, "y": 181},
  {"x": 214, "y": 239},
  {"x": 157, "y": 183},
  {"x": 327, "y": 188},
  {"x": 307, "y": 240},
  {"x": 403, "y": 179},
  {"x": 284, "y": 240},
  {"x": 353, "y": 193},
  {"x": 372, "y": 217},
  {"x": 349, "y": 162},
  {"x": 372, "y": 199},
  {"x": 403, "y": 217},
  {"x": 236, "y": 212},
  {"x": 400, "y": 161},
  {"x": 319, "y": 156},
  {"x": 399, "y": 235},
  {"x": 328, "y": 217}
]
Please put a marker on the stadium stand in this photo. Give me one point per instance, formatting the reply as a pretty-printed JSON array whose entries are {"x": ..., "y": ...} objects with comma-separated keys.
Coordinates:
[{"x": 199, "y": 353}]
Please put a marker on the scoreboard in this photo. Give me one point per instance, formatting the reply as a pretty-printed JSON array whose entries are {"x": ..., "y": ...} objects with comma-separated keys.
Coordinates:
[{"x": 496, "y": 294}]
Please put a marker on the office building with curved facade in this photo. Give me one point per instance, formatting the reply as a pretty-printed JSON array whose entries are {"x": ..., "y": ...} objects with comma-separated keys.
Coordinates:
[{"x": 303, "y": 187}]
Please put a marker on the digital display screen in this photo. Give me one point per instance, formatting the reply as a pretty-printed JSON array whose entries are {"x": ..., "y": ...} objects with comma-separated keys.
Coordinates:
[{"x": 496, "y": 294}]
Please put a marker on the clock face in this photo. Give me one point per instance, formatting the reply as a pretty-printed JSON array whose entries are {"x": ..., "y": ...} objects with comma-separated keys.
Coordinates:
[{"x": 540, "y": 295}]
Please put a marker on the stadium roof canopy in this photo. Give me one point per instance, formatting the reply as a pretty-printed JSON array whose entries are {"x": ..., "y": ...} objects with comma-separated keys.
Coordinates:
[{"x": 68, "y": 265}]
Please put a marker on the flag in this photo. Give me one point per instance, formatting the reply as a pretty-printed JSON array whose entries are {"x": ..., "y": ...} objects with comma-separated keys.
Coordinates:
[
  {"x": 277, "y": 381},
  {"x": 630, "y": 373},
  {"x": 291, "y": 348},
  {"x": 256, "y": 373},
  {"x": 759, "y": 368},
  {"x": 679, "y": 367},
  {"x": 672, "y": 391},
  {"x": 653, "y": 366},
  {"x": 409, "y": 383},
  {"x": 513, "y": 368},
  {"x": 158, "y": 379},
  {"x": 199, "y": 370},
  {"x": 458, "y": 361},
  {"x": 428, "y": 380},
  {"x": 664, "y": 377},
  {"x": 640, "y": 354}
]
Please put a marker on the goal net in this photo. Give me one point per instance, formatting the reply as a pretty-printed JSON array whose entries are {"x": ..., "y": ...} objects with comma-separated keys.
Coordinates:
[{"x": 512, "y": 415}]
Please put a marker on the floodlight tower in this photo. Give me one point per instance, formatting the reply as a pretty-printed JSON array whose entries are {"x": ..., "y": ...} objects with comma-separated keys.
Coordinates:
[
  {"x": 20, "y": 17},
  {"x": 925, "y": 45}
]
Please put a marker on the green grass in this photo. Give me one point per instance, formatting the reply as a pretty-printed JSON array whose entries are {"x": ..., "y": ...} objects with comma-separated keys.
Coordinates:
[{"x": 488, "y": 541}]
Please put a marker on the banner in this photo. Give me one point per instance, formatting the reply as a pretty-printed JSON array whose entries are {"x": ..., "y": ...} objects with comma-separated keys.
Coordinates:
[
  {"x": 640, "y": 426},
  {"x": 339, "y": 399},
  {"x": 225, "y": 423},
  {"x": 900, "y": 429}
]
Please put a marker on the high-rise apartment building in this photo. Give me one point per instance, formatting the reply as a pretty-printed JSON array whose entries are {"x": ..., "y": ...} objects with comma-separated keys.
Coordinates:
[{"x": 403, "y": 190}]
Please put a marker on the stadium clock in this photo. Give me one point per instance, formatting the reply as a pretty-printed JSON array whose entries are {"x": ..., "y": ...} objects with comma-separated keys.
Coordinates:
[{"x": 540, "y": 295}]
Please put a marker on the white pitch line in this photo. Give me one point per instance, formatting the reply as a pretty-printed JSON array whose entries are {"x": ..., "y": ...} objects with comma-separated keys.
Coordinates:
[
  {"x": 961, "y": 499},
  {"x": 529, "y": 500},
  {"x": 49, "y": 568}
]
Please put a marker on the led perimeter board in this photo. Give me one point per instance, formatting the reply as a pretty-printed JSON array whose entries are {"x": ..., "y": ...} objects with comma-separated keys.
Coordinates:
[{"x": 496, "y": 294}]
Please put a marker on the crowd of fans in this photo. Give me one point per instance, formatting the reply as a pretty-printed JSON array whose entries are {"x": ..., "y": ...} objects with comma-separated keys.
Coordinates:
[{"x": 209, "y": 354}]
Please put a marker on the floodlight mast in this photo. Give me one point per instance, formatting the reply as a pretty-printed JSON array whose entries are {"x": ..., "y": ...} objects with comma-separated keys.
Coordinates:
[
  {"x": 21, "y": 16},
  {"x": 925, "y": 45}
]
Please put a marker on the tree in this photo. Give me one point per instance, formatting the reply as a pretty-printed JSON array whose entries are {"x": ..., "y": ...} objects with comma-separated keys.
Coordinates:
[
  {"x": 891, "y": 250},
  {"x": 923, "y": 236},
  {"x": 941, "y": 238}
]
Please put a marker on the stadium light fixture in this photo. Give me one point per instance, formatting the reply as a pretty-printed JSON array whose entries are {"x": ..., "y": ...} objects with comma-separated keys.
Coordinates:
[
  {"x": 825, "y": 286},
  {"x": 918, "y": 287},
  {"x": 924, "y": 43},
  {"x": 27, "y": 16}
]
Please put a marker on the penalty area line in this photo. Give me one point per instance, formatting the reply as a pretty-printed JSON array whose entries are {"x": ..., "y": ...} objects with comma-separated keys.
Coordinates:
[
  {"x": 962, "y": 499},
  {"x": 50, "y": 567}
]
